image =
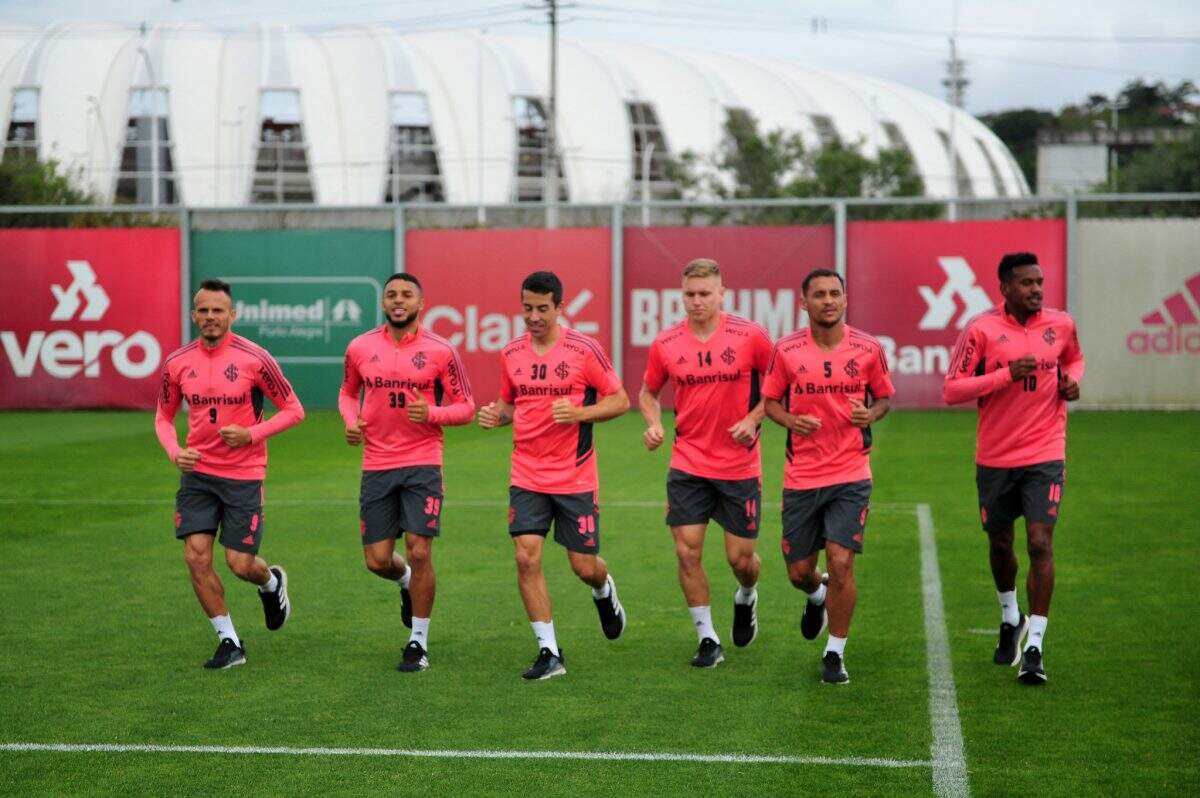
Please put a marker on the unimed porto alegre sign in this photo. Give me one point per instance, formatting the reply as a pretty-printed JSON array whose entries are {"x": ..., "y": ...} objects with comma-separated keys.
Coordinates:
[{"x": 86, "y": 316}]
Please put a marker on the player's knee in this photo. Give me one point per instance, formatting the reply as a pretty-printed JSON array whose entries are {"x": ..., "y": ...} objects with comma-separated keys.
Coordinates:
[
  {"x": 1000, "y": 542},
  {"x": 197, "y": 559},
  {"x": 378, "y": 564},
  {"x": 741, "y": 561},
  {"x": 1040, "y": 547},
  {"x": 840, "y": 563},
  {"x": 688, "y": 555},
  {"x": 419, "y": 558},
  {"x": 584, "y": 567},
  {"x": 528, "y": 562},
  {"x": 803, "y": 575},
  {"x": 242, "y": 567}
]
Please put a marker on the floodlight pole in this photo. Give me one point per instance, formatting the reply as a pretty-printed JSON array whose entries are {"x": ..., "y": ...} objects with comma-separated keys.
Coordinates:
[
  {"x": 153, "y": 127},
  {"x": 551, "y": 169}
]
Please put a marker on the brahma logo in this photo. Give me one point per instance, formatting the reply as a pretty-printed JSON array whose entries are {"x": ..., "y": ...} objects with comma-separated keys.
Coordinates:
[
  {"x": 960, "y": 283},
  {"x": 64, "y": 354},
  {"x": 491, "y": 332},
  {"x": 1175, "y": 332}
]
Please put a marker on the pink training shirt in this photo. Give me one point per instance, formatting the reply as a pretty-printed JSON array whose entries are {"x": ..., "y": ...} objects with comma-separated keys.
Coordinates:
[
  {"x": 717, "y": 382},
  {"x": 1022, "y": 422},
  {"x": 385, "y": 371},
  {"x": 549, "y": 457},
  {"x": 222, "y": 386},
  {"x": 810, "y": 381}
]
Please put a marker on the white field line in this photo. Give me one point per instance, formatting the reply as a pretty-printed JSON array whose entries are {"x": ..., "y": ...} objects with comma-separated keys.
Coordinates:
[
  {"x": 168, "y": 500},
  {"x": 946, "y": 751},
  {"x": 606, "y": 756}
]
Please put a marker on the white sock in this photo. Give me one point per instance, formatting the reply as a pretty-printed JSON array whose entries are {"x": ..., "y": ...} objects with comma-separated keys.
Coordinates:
[
  {"x": 544, "y": 633},
  {"x": 1037, "y": 630},
  {"x": 604, "y": 590},
  {"x": 420, "y": 632},
  {"x": 271, "y": 585},
  {"x": 404, "y": 580},
  {"x": 746, "y": 595},
  {"x": 223, "y": 626},
  {"x": 817, "y": 597},
  {"x": 836, "y": 645},
  {"x": 702, "y": 618},
  {"x": 1008, "y": 607}
]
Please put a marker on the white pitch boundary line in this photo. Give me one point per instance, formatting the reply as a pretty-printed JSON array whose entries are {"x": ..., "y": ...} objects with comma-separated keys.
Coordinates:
[
  {"x": 606, "y": 756},
  {"x": 946, "y": 751}
]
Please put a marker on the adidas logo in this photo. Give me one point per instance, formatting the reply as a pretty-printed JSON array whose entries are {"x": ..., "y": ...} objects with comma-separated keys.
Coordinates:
[
  {"x": 1178, "y": 328},
  {"x": 802, "y": 370},
  {"x": 518, "y": 372},
  {"x": 191, "y": 374},
  {"x": 374, "y": 359},
  {"x": 681, "y": 361},
  {"x": 1003, "y": 339}
]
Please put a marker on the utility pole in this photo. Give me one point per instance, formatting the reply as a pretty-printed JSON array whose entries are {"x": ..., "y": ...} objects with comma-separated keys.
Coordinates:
[
  {"x": 955, "y": 83},
  {"x": 550, "y": 169}
]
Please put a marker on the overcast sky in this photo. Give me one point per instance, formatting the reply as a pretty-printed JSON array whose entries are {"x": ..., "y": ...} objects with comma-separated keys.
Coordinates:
[{"x": 1019, "y": 53}]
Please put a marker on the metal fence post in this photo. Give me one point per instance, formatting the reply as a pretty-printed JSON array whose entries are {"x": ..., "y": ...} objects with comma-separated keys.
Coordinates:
[
  {"x": 839, "y": 237},
  {"x": 185, "y": 275},
  {"x": 1072, "y": 256},
  {"x": 399, "y": 234},
  {"x": 618, "y": 290}
]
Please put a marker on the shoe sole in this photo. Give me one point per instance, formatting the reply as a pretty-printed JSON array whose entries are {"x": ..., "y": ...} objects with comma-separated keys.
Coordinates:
[
  {"x": 407, "y": 623},
  {"x": 753, "y": 628},
  {"x": 559, "y": 671},
  {"x": 1020, "y": 639},
  {"x": 283, "y": 595},
  {"x": 719, "y": 660},
  {"x": 404, "y": 667},
  {"x": 228, "y": 665},
  {"x": 1029, "y": 677},
  {"x": 824, "y": 624},
  {"x": 830, "y": 681}
]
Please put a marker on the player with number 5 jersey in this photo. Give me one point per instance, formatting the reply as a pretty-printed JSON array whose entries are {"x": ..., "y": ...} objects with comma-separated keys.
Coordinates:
[{"x": 402, "y": 384}]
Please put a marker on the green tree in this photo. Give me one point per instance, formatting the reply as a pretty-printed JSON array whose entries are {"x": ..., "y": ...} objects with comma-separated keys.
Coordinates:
[{"x": 27, "y": 181}]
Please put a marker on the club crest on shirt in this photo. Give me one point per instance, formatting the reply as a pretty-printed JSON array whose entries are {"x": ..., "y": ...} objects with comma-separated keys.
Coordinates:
[
  {"x": 851, "y": 368},
  {"x": 562, "y": 370},
  {"x": 418, "y": 360},
  {"x": 729, "y": 355},
  {"x": 231, "y": 373},
  {"x": 1048, "y": 336}
]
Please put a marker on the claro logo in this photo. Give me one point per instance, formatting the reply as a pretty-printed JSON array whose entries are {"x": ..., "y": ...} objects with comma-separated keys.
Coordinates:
[
  {"x": 64, "y": 354},
  {"x": 491, "y": 332}
]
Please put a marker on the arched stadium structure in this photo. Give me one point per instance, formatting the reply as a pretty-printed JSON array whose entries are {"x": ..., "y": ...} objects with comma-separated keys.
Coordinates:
[{"x": 370, "y": 115}]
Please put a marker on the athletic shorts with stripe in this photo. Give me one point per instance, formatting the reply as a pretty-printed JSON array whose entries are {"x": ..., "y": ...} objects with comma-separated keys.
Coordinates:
[
  {"x": 205, "y": 503},
  {"x": 399, "y": 500},
  {"x": 735, "y": 504},
  {"x": 1034, "y": 491},
  {"x": 835, "y": 513},
  {"x": 576, "y": 517}
]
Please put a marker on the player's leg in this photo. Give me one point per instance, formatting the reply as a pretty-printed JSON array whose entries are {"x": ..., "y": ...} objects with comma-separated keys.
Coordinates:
[
  {"x": 999, "y": 506},
  {"x": 198, "y": 554},
  {"x": 738, "y": 511},
  {"x": 529, "y": 517},
  {"x": 1041, "y": 495},
  {"x": 379, "y": 508},
  {"x": 577, "y": 529},
  {"x": 803, "y": 539},
  {"x": 845, "y": 522},
  {"x": 691, "y": 501},
  {"x": 420, "y": 516},
  {"x": 242, "y": 528}
]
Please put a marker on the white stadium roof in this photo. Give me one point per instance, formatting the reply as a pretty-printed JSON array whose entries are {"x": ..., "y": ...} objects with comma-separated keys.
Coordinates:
[{"x": 349, "y": 103}]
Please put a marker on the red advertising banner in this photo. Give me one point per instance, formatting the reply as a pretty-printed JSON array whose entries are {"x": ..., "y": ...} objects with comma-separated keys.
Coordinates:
[
  {"x": 761, "y": 268},
  {"x": 472, "y": 281},
  {"x": 915, "y": 285},
  {"x": 86, "y": 316}
]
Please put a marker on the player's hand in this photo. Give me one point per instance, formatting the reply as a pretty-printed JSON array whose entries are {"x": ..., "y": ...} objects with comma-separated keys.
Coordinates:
[
  {"x": 1068, "y": 389},
  {"x": 417, "y": 407},
  {"x": 743, "y": 431},
  {"x": 489, "y": 416},
  {"x": 653, "y": 437},
  {"x": 1022, "y": 367},
  {"x": 354, "y": 432},
  {"x": 804, "y": 425},
  {"x": 236, "y": 437},
  {"x": 565, "y": 412},
  {"x": 186, "y": 460},
  {"x": 860, "y": 414}
]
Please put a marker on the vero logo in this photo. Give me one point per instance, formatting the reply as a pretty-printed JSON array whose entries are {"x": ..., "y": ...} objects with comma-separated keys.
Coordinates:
[
  {"x": 959, "y": 287},
  {"x": 82, "y": 288},
  {"x": 1171, "y": 335}
]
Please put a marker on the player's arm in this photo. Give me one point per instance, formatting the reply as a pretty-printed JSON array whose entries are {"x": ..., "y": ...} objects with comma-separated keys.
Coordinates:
[
  {"x": 608, "y": 406},
  {"x": 879, "y": 382},
  {"x": 270, "y": 380},
  {"x": 648, "y": 404},
  {"x": 170, "y": 396},
  {"x": 496, "y": 414},
  {"x": 863, "y": 416},
  {"x": 1070, "y": 366},
  {"x": 746, "y": 430},
  {"x": 461, "y": 407},
  {"x": 962, "y": 384},
  {"x": 350, "y": 401},
  {"x": 775, "y": 386}
]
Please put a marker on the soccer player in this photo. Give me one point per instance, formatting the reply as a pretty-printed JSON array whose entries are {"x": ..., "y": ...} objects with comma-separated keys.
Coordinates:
[
  {"x": 412, "y": 383},
  {"x": 1022, "y": 364},
  {"x": 555, "y": 384},
  {"x": 827, "y": 385},
  {"x": 715, "y": 361},
  {"x": 223, "y": 377}
]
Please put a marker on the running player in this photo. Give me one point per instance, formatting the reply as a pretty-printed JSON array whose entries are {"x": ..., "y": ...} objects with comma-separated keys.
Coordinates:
[
  {"x": 827, "y": 385},
  {"x": 1022, "y": 363},
  {"x": 412, "y": 383},
  {"x": 555, "y": 383},
  {"x": 715, "y": 361},
  {"x": 223, "y": 377}
]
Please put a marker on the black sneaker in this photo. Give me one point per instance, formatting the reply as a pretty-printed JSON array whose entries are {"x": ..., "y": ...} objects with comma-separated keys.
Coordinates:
[
  {"x": 612, "y": 614},
  {"x": 1031, "y": 667},
  {"x": 276, "y": 607},
  {"x": 415, "y": 658},
  {"x": 745, "y": 622},
  {"x": 1008, "y": 650},
  {"x": 833, "y": 670},
  {"x": 816, "y": 616},
  {"x": 546, "y": 666},
  {"x": 405, "y": 607},
  {"x": 227, "y": 655},
  {"x": 709, "y": 655}
]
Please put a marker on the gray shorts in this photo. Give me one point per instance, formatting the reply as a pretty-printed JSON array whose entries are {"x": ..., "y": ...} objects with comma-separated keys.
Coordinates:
[
  {"x": 735, "y": 504},
  {"x": 835, "y": 512},
  {"x": 205, "y": 503},
  {"x": 400, "y": 500},
  {"x": 1033, "y": 491},
  {"x": 576, "y": 517}
]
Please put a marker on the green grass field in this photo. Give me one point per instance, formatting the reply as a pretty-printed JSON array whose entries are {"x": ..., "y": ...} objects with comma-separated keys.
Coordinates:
[{"x": 102, "y": 638}]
